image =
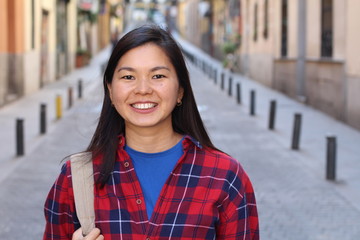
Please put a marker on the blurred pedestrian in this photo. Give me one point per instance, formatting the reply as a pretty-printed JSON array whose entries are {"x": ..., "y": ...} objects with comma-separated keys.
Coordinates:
[{"x": 157, "y": 174}]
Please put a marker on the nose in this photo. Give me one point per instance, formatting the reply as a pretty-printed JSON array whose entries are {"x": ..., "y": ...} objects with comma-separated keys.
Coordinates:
[{"x": 143, "y": 86}]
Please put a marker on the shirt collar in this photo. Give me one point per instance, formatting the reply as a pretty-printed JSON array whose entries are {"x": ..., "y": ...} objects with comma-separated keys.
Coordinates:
[{"x": 190, "y": 140}]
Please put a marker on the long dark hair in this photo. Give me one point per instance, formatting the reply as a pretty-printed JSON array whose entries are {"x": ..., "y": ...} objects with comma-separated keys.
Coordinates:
[{"x": 186, "y": 119}]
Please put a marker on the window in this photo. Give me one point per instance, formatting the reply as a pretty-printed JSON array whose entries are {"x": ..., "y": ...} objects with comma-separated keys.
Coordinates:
[
  {"x": 255, "y": 22},
  {"x": 234, "y": 8},
  {"x": 284, "y": 27},
  {"x": 326, "y": 28},
  {"x": 266, "y": 19}
]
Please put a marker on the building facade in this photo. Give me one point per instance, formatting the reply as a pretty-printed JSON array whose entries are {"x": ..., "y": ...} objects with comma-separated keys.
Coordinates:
[
  {"x": 307, "y": 49},
  {"x": 42, "y": 40},
  {"x": 37, "y": 45},
  {"x": 309, "y": 52},
  {"x": 211, "y": 25},
  {"x": 194, "y": 22}
]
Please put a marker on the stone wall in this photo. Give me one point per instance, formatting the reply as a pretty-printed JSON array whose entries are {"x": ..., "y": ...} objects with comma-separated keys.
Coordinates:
[
  {"x": 15, "y": 76},
  {"x": 3, "y": 77},
  {"x": 261, "y": 68},
  {"x": 325, "y": 87},
  {"x": 353, "y": 101},
  {"x": 285, "y": 76}
]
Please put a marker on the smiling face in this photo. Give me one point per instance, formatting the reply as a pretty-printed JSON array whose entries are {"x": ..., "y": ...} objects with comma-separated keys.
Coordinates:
[{"x": 145, "y": 88}]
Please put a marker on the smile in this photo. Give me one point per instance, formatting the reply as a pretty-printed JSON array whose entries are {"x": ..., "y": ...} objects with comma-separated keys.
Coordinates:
[{"x": 143, "y": 106}]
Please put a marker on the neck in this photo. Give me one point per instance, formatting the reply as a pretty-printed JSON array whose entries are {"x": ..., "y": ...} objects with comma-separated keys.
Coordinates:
[{"x": 151, "y": 141}]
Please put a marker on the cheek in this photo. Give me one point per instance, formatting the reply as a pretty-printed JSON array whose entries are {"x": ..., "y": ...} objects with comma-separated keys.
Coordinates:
[{"x": 119, "y": 92}]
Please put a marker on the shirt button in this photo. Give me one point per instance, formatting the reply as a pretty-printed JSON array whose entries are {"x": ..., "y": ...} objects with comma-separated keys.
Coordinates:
[
  {"x": 126, "y": 164},
  {"x": 138, "y": 201}
]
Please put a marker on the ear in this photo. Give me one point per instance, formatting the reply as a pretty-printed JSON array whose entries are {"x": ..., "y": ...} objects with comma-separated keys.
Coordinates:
[
  {"x": 180, "y": 94},
  {"x": 110, "y": 90}
]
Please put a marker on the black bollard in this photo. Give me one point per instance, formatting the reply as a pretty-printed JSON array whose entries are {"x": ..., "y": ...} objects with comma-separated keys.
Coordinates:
[
  {"x": 210, "y": 72},
  {"x": 70, "y": 97},
  {"x": 191, "y": 57},
  {"x": 238, "y": 93},
  {"x": 331, "y": 158},
  {"x": 19, "y": 137},
  {"x": 222, "y": 81},
  {"x": 80, "y": 88},
  {"x": 296, "y": 131},
  {"x": 272, "y": 114},
  {"x": 103, "y": 67},
  {"x": 230, "y": 86},
  {"x": 42, "y": 118},
  {"x": 215, "y": 76},
  {"x": 252, "y": 102}
]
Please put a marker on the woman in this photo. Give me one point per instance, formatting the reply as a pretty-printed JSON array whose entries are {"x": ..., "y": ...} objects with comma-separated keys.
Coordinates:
[{"x": 157, "y": 174}]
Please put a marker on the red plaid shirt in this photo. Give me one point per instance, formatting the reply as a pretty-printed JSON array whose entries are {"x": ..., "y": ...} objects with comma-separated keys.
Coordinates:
[{"x": 207, "y": 196}]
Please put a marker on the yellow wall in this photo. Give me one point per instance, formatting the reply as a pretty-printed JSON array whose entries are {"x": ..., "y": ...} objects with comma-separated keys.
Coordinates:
[
  {"x": 340, "y": 29},
  {"x": 292, "y": 29},
  {"x": 352, "y": 36},
  {"x": 50, "y": 6},
  {"x": 259, "y": 54},
  {"x": 313, "y": 27},
  {"x": 181, "y": 20},
  {"x": 72, "y": 33}
]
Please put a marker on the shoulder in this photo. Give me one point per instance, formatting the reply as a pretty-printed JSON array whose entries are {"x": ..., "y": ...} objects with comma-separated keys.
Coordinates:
[
  {"x": 72, "y": 163},
  {"x": 61, "y": 190},
  {"x": 222, "y": 162},
  {"x": 82, "y": 157},
  {"x": 230, "y": 169},
  {"x": 64, "y": 179}
]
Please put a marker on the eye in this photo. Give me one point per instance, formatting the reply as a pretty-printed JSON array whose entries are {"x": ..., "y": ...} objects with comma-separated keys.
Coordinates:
[
  {"x": 128, "y": 77},
  {"x": 158, "y": 76}
]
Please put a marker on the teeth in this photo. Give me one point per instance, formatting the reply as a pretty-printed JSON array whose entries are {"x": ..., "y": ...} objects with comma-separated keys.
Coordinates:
[{"x": 143, "y": 105}]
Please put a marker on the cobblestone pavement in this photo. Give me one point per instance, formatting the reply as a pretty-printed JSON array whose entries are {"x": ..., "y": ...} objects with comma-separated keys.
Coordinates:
[{"x": 294, "y": 200}]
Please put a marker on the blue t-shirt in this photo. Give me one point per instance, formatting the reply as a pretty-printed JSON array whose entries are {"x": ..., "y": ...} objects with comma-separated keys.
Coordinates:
[{"x": 153, "y": 169}]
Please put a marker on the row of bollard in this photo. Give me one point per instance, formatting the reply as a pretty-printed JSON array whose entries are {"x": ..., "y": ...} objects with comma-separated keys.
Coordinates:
[
  {"x": 20, "y": 122},
  {"x": 331, "y": 145}
]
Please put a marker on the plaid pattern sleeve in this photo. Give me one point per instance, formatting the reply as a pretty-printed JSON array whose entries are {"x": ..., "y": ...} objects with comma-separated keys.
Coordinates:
[
  {"x": 208, "y": 195},
  {"x": 238, "y": 212},
  {"x": 59, "y": 209}
]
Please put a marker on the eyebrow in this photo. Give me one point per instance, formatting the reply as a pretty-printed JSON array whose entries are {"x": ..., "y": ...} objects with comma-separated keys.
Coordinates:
[{"x": 151, "y": 70}]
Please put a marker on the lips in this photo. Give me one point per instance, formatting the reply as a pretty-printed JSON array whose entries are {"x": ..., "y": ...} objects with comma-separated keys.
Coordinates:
[{"x": 143, "y": 106}]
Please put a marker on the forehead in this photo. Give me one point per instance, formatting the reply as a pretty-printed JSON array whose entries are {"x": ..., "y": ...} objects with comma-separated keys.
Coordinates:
[{"x": 148, "y": 54}]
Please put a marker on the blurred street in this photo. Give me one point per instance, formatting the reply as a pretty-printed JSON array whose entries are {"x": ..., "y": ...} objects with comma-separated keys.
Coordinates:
[{"x": 295, "y": 201}]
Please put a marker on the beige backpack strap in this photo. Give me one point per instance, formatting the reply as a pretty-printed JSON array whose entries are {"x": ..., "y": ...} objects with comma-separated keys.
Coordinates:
[{"x": 83, "y": 186}]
